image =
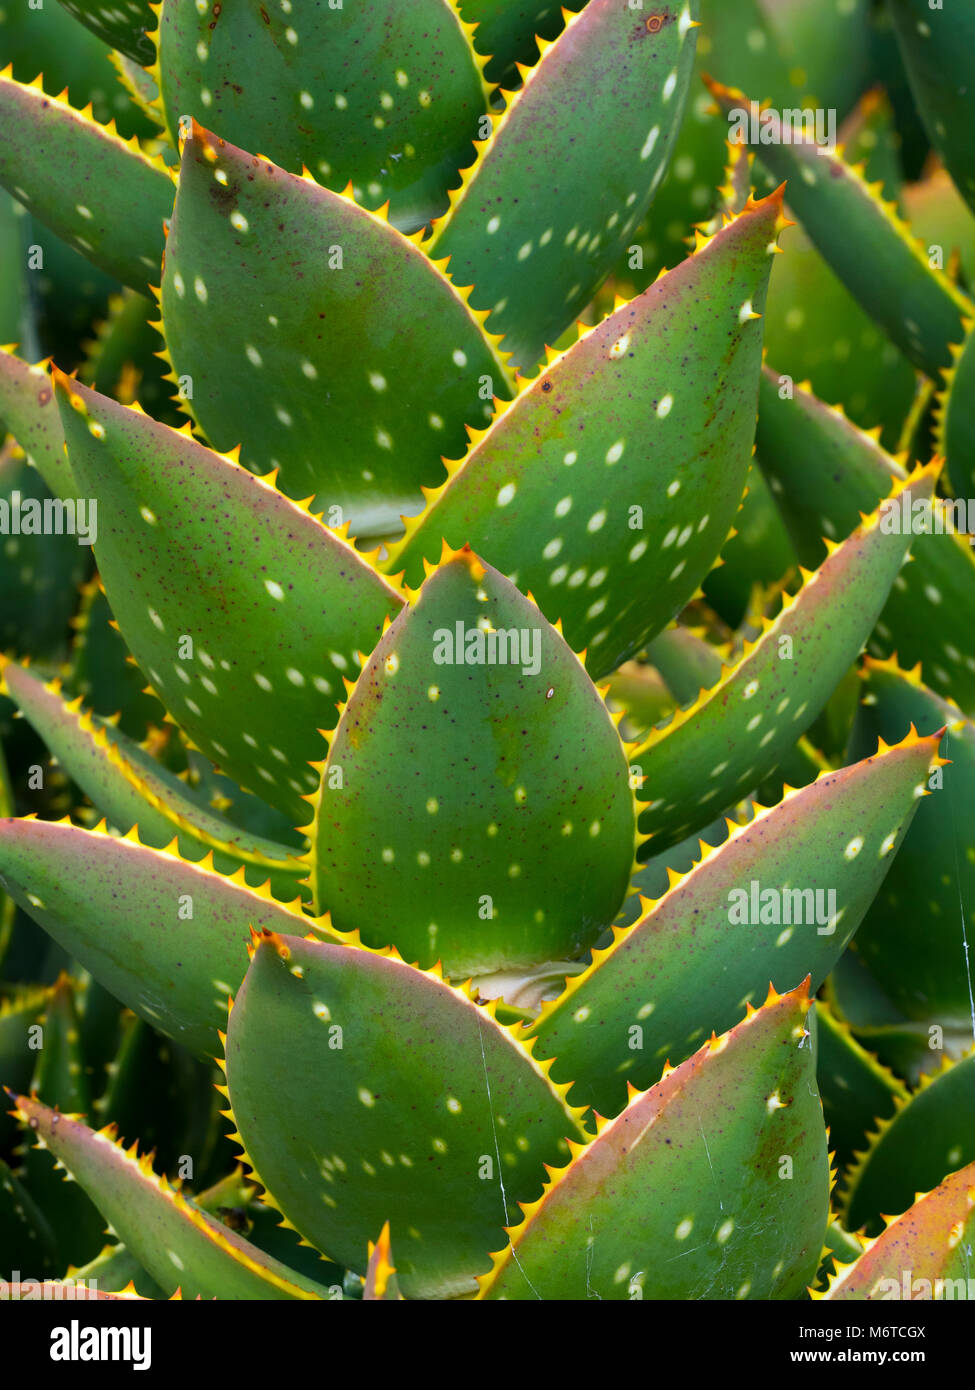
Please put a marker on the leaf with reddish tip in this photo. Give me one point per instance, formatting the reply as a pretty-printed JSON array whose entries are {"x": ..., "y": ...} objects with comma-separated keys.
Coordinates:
[
  {"x": 509, "y": 774},
  {"x": 930, "y": 1135},
  {"x": 164, "y": 936},
  {"x": 666, "y": 1201},
  {"x": 779, "y": 900},
  {"x": 824, "y": 472},
  {"x": 930, "y": 1242},
  {"x": 28, "y": 411},
  {"x": 276, "y": 606},
  {"x": 360, "y": 1085},
  {"x": 865, "y": 241},
  {"x": 924, "y": 973},
  {"x": 179, "y": 1245},
  {"x": 97, "y": 191},
  {"x": 352, "y": 386},
  {"x": 380, "y": 1284},
  {"x": 711, "y": 754},
  {"x": 130, "y": 788},
  {"x": 608, "y": 487},
  {"x": 385, "y": 97},
  {"x": 529, "y": 225}
]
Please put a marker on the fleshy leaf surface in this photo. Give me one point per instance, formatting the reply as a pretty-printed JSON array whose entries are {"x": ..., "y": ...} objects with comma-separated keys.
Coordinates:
[
  {"x": 122, "y": 24},
  {"x": 611, "y": 66},
  {"x": 956, "y": 424},
  {"x": 668, "y": 1197},
  {"x": 865, "y": 241},
  {"x": 360, "y": 1085},
  {"x": 28, "y": 410},
  {"x": 857, "y": 1090},
  {"x": 609, "y": 486},
  {"x": 929, "y": 1242},
  {"x": 712, "y": 753},
  {"x": 925, "y": 973},
  {"x": 347, "y": 414},
  {"x": 779, "y": 900},
  {"x": 824, "y": 472},
  {"x": 166, "y": 937},
  {"x": 930, "y": 1135},
  {"x": 509, "y": 775},
  {"x": 131, "y": 789},
  {"x": 387, "y": 97},
  {"x": 97, "y": 191},
  {"x": 179, "y": 1245},
  {"x": 190, "y": 545}
]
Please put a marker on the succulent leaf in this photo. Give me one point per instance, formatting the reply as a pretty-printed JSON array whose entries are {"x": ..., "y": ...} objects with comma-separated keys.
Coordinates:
[
  {"x": 122, "y": 24},
  {"x": 609, "y": 485},
  {"x": 455, "y": 1118},
  {"x": 928, "y": 1243},
  {"x": 179, "y": 1245},
  {"x": 94, "y": 189},
  {"x": 130, "y": 788},
  {"x": 865, "y": 241},
  {"x": 28, "y": 410},
  {"x": 824, "y": 472},
  {"x": 857, "y": 1090},
  {"x": 166, "y": 937},
  {"x": 938, "y": 49},
  {"x": 737, "y": 732},
  {"x": 667, "y": 1198},
  {"x": 779, "y": 900},
  {"x": 469, "y": 860},
  {"x": 609, "y": 58},
  {"x": 930, "y": 1135},
  {"x": 395, "y": 114},
  {"x": 351, "y": 418},
  {"x": 925, "y": 974},
  {"x": 956, "y": 424},
  {"x": 252, "y": 706}
]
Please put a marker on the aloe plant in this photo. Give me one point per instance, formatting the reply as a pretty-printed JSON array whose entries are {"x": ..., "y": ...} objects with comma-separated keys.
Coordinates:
[{"x": 354, "y": 800}]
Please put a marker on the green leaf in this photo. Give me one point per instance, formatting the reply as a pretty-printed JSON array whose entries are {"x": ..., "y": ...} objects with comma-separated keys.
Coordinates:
[
  {"x": 507, "y": 29},
  {"x": 930, "y": 1135},
  {"x": 28, "y": 410},
  {"x": 122, "y": 24},
  {"x": 667, "y": 1202},
  {"x": 779, "y": 900},
  {"x": 98, "y": 191},
  {"x": 40, "y": 569},
  {"x": 131, "y": 789},
  {"x": 364, "y": 1090},
  {"x": 179, "y": 1245},
  {"x": 327, "y": 363},
  {"x": 608, "y": 487},
  {"x": 510, "y": 779},
  {"x": 956, "y": 419},
  {"x": 19, "y": 1013},
  {"x": 938, "y": 50},
  {"x": 548, "y": 165},
  {"x": 857, "y": 1090},
  {"x": 926, "y": 975},
  {"x": 387, "y": 98},
  {"x": 759, "y": 553},
  {"x": 123, "y": 360},
  {"x": 275, "y": 606},
  {"x": 61, "y": 1082},
  {"x": 25, "y": 1236},
  {"x": 712, "y": 753},
  {"x": 165, "y": 937},
  {"x": 929, "y": 1243},
  {"x": 865, "y": 241},
  {"x": 824, "y": 473},
  {"x": 104, "y": 674}
]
